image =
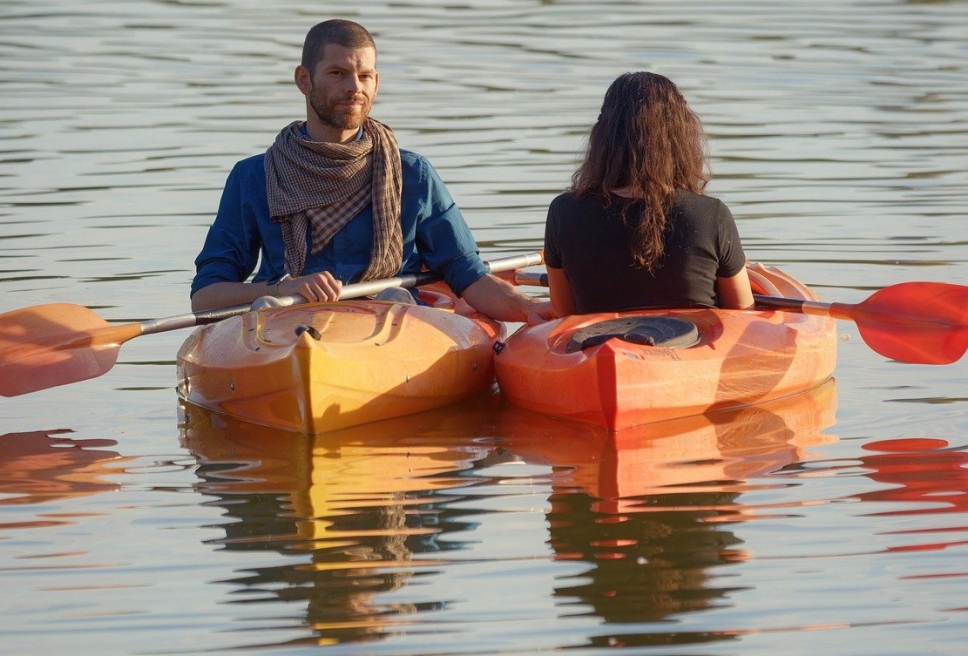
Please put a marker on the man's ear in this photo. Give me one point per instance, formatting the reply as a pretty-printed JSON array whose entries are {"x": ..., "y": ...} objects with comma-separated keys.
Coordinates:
[{"x": 303, "y": 79}]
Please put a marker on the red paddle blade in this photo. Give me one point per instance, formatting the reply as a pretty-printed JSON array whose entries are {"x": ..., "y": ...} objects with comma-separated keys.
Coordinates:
[
  {"x": 916, "y": 322},
  {"x": 49, "y": 345}
]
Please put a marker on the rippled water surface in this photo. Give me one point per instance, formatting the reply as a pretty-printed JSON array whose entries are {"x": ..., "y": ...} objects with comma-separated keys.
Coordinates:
[{"x": 833, "y": 522}]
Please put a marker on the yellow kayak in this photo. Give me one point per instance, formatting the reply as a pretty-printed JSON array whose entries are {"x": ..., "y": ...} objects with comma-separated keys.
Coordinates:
[{"x": 325, "y": 366}]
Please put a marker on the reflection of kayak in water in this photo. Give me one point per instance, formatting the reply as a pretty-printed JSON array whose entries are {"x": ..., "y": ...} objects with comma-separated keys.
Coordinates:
[
  {"x": 358, "y": 502},
  {"x": 415, "y": 452},
  {"x": 669, "y": 456},
  {"x": 619, "y": 370},
  {"x": 326, "y": 475},
  {"x": 344, "y": 504},
  {"x": 365, "y": 508}
]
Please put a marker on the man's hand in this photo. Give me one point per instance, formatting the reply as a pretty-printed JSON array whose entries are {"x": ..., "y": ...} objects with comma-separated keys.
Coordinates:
[
  {"x": 540, "y": 312},
  {"x": 321, "y": 286},
  {"x": 313, "y": 287}
]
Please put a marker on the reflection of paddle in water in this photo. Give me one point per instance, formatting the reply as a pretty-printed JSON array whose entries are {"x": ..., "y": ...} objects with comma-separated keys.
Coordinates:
[
  {"x": 41, "y": 466},
  {"x": 359, "y": 514},
  {"x": 923, "y": 476}
]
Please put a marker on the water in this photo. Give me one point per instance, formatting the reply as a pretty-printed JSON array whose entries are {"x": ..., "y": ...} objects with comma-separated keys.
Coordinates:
[{"x": 833, "y": 523}]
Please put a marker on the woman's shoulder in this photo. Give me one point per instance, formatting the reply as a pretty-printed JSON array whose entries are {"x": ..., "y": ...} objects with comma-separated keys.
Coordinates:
[
  {"x": 691, "y": 199},
  {"x": 699, "y": 200},
  {"x": 700, "y": 206},
  {"x": 567, "y": 200}
]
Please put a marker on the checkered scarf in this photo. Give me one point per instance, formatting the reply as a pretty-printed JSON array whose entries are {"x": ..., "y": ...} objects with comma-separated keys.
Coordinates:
[{"x": 321, "y": 186}]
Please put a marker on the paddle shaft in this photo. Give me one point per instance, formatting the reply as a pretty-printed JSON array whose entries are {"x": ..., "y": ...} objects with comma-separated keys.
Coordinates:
[
  {"x": 802, "y": 306},
  {"x": 844, "y": 311},
  {"x": 353, "y": 290},
  {"x": 860, "y": 313},
  {"x": 912, "y": 322}
]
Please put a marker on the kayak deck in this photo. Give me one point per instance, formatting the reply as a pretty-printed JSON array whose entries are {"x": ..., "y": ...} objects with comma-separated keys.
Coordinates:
[
  {"x": 741, "y": 357},
  {"x": 324, "y": 366}
]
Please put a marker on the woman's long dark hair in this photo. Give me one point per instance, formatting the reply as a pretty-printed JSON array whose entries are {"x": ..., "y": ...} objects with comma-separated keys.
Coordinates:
[{"x": 648, "y": 141}]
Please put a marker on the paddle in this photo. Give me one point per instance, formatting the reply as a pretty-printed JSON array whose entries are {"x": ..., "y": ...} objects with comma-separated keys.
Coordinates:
[
  {"x": 60, "y": 343},
  {"x": 913, "y": 322}
]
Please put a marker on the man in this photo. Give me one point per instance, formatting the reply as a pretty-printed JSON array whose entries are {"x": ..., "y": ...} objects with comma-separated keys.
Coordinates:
[{"x": 335, "y": 200}]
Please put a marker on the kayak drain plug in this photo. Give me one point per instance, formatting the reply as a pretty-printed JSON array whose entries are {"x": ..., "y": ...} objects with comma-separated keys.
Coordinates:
[{"x": 308, "y": 329}]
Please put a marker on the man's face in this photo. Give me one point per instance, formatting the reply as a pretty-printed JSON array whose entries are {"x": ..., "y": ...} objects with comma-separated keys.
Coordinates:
[{"x": 344, "y": 85}]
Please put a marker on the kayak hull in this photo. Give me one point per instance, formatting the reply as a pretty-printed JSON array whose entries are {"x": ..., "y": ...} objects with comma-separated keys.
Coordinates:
[
  {"x": 742, "y": 357},
  {"x": 320, "y": 367}
]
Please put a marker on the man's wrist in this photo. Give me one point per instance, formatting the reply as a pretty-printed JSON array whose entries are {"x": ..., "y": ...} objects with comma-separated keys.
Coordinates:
[{"x": 274, "y": 286}]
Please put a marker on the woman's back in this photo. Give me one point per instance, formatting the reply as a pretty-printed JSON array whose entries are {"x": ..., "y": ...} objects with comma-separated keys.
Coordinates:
[
  {"x": 592, "y": 244},
  {"x": 635, "y": 229}
]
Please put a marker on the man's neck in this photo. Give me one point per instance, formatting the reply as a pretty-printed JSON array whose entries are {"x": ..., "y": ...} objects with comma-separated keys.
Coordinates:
[{"x": 327, "y": 134}]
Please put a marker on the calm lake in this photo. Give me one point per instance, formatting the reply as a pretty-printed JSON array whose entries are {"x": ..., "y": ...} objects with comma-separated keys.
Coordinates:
[{"x": 834, "y": 523}]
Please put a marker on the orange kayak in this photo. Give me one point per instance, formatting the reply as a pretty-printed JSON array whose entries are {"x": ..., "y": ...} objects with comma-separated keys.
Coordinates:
[
  {"x": 325, "y": 366},
  {"x": 619, "y": 370}
]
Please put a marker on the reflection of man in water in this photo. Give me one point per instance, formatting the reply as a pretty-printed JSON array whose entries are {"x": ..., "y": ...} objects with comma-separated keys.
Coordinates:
[
  {"x": 344, "y": 515},
  {"x": 365, "y": 555},
  {"x": 339, "y": 557}
]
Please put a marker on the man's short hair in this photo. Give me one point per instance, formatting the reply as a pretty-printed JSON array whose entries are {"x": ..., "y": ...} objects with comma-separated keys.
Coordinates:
[{"x": 341, "y": 32}]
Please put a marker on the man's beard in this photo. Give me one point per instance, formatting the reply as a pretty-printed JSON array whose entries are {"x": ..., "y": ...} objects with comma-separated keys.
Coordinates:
[{"x": 333, "y": 116}]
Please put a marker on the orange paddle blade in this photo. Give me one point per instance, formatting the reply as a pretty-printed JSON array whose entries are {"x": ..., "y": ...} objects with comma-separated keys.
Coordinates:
[
  {"x": 56, "y": 344},
  {"x": 917, "y": 322},
  {"x": 914, "y": 322}
]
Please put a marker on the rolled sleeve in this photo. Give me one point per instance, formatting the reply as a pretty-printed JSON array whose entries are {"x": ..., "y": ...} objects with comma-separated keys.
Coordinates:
[
  {"x": 464, "y": 271},
  {"x": 232, "y": 246},
  {"x": 443, "y": 239},
  {"x": 218, "y": 261}
]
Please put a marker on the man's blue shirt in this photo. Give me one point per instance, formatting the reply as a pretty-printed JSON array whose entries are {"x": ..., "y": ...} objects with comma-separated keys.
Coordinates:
[{"x": 244, "y": 236}]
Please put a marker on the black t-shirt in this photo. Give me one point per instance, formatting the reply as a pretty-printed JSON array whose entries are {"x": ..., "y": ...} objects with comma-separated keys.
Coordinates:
[{"x": 592, "y": 243}]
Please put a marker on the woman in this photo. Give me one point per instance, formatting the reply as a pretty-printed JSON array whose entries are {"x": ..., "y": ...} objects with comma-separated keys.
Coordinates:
[{"x": 635, "y": 230}]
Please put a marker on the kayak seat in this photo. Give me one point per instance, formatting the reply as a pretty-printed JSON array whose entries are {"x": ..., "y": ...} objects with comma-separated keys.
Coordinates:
[{"x": 665, "y": 332}]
